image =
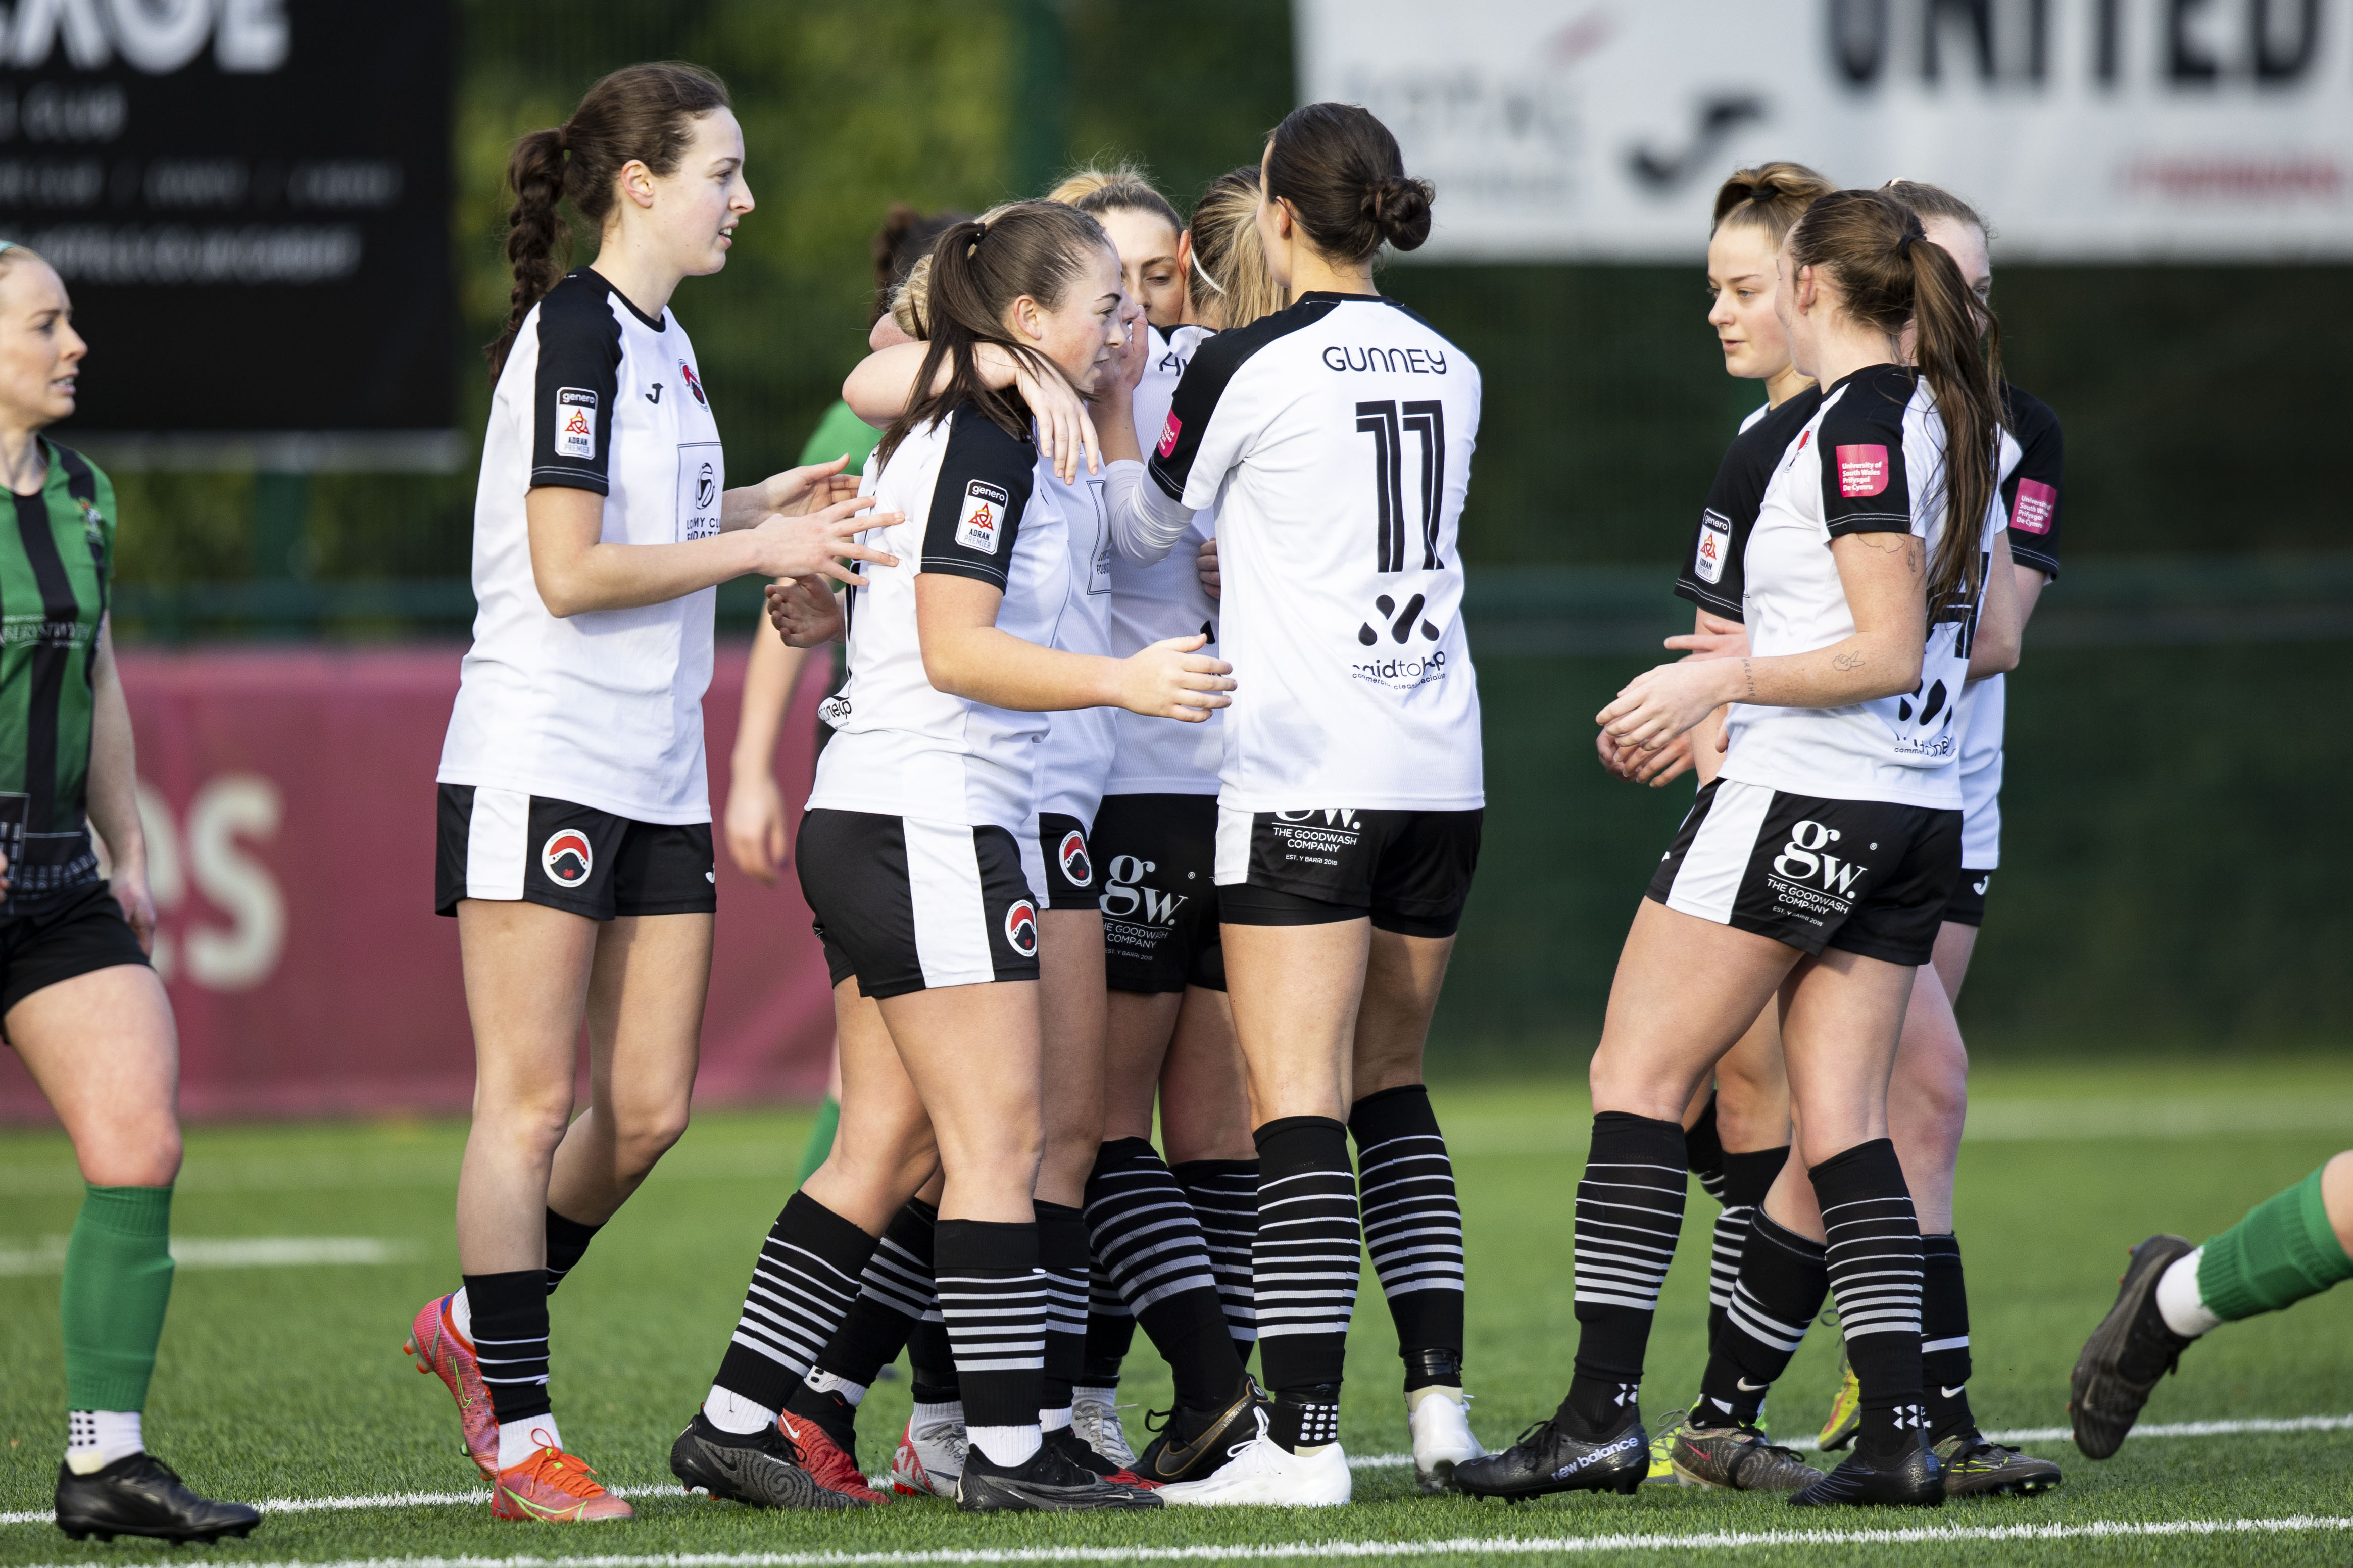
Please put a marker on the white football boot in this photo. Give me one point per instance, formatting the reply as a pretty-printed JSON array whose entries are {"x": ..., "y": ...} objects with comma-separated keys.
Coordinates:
[
  {"x": 930, "y": 1460},
  {"x": 1095, "y": 1420},
  {"x": 1264, "y": 1473},
  {"x": 1441, "y": 1422}
]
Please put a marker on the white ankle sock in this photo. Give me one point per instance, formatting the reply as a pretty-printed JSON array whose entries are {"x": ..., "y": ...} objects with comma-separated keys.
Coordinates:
[
  {"x": 1006, "y": 1446},
  {"x": 730, "y": 1412},
  {"x": 1091, "y": 1394},
  {"x": 2179, "y": 1302},
  {"x": 1053, "y": 1420},
  {"x": 461, "y": 1314},
  {"x": 952, "y": 1413},
  {"x": 519, "y": 1440},
  {"x": 96, "y": 1438},
  {"x": 1433, "y": 1391}
]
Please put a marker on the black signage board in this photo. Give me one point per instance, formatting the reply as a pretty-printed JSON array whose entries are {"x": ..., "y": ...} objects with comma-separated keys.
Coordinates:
[{"x": 250, "y": 201}]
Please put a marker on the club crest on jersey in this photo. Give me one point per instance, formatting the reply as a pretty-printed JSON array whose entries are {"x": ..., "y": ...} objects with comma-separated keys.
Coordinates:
[
  {"x": 93, "y": 523},
  {"x": 1021, "y": 927},
  {"x": 1861, "y": 470},
  {"x": 1077, "y": 869},
  {"x": 2036, "y": 504},
  {"x": 1168, "y": 435},
  {"x": 567, "y": 857},
  {"x": 981, "y": 517},
  {"x": 1714, "y": 544},
  {"x": 693, "y": 383},
  {"x": 576, "y": 423}
]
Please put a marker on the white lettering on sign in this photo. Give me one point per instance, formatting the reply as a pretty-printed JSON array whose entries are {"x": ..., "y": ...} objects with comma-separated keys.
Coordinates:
[
  {"x": 227, "y": 813},
  {"x": 157, "y": 37}
]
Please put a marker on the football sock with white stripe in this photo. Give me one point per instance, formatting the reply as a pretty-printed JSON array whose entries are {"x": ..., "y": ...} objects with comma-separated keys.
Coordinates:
[
  {"x": 1746, "y": 1179},
  {"x": 1305, "y": 1262},
  {"x": 802, "y": 1286},
  {"x": 1413, "y": 1228},
  {"x": 1146, "y": 1233},
  {"x": 1944, "y": 1337},
  {"x": 892, "y": 1294},
  {"x": 993, "y": 1298},
  {"x": 509, "y": 1323},
  {"x": 1629, "y": 1210},
  {"x": 1111, "y": 1327},
  {"x": 1062, "y": 1256},
  {"x": 1875, "y": 1266},
  {"x": 1224, "y": 1195},
  {"x": 1782, "y": 1279},
  {"x": 1704, "y": 1151},
  {"x": 567, "y": 1243}
]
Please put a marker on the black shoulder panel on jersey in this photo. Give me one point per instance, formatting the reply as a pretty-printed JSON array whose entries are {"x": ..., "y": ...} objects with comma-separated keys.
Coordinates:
[
  {"x": 579, "y": 385},
  {"x": 1206, "y": 378},
  {"x": 81, "y": 483},
  {"x": 1865, "y": 487},
  {"x": 978, "y": 498},
  {"x": 1720, "y": 544},
  {"x": 2032, "y": 492}
]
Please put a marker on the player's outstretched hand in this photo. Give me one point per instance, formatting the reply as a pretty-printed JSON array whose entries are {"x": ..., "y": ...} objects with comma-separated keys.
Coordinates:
[
  {"x": 1716, "y": 638},
  {"x": 1206, "y": 565},
  {"x": 1172, "y": 679},
  {"x": 803, "y": 611},
  {"x": 817, "y": 542},
  {"x": 1659, "y": 704},
  {"x": 797, "y": 492}
]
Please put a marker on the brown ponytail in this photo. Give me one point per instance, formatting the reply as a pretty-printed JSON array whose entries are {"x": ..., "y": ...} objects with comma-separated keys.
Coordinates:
[
  {"x": 1343, "y": 174},
  {"x": 979, "y": 269},
  {"x": 1770, "y": 196},
  {"x": 1870, "y": 247},
  {"x": 644, "y": 113}
]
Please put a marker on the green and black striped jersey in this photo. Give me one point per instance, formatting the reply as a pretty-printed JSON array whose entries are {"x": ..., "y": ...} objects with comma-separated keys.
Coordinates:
[{"x": 56, "y": 565}]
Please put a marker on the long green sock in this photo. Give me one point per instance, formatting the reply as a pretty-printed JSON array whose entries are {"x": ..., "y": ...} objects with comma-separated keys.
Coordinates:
[
  {"x": 820, "y": 1143},
  {"x": 118, "y": 1282},
  {"x": 2284, "y": 1250}
]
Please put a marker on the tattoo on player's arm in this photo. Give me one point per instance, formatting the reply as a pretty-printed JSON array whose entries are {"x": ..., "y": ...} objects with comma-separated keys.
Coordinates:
[
  {"x": 1850, "y": 659},
  {"x": 1749, "y": 676}
]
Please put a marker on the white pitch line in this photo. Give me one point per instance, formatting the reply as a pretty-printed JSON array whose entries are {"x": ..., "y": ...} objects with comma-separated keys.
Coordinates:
[
  {"x": 1458, "y": 1546},
  {"x": 1362, "y": 1462}
]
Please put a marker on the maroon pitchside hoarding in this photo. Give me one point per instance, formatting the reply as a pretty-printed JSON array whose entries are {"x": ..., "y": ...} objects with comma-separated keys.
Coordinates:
[{"x": 288, "y": 803}]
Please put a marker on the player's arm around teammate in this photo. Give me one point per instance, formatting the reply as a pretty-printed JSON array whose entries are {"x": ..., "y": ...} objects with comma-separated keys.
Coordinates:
[
  {"x": 575, "y": 841},
  {"x": 79, "y": 1003},
  {"x": 1816, "y": 864}
]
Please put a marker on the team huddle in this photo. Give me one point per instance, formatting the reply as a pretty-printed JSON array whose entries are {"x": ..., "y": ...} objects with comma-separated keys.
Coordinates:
[{"x": 1151, "y": 801}]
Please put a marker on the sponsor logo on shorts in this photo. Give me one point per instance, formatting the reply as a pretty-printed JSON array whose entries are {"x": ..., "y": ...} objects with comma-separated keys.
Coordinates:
[
  {"x": 1861, "y": 470},
  {"x": 1021, "y": 927},
  {"x": 1124, "y": 897},
  {"x": 1077, "y": 869},
  {"x": 2037, "y": 503},
  {"x": 567, "y": 857},
  {"x": 576, "y": 422},
  {"x": 1812, "y": 883},
  {"x": 1169, "y": 434},
  {"x": 1317, "y": 836},
  {"x": 983, "y": 515},
  {"x": 1714, "y": 544}
]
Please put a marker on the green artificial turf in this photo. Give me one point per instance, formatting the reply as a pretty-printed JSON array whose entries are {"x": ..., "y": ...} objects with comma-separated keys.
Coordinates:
[{"x": 288, "y": 1382}]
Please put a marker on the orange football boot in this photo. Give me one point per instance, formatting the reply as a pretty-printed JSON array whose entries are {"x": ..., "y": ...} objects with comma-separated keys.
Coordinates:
[
  {"x": 439, "y": 1348},
  {"x": 555, "y": 1487}
]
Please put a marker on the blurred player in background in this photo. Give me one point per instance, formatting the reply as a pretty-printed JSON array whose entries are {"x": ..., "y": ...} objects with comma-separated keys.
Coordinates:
[
  {"x": 78, "y": 1002},
  {"x": 2295, "y": 1244},
  {"x": 574, "y": 822},
  {"x": 1817, "y": 863},
  {"x": 757, "y": 823},
  {"x": 1351, "y": 791}
]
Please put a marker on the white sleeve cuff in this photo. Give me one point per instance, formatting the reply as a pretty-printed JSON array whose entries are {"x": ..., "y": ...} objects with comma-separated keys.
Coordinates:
[{"x": 1145, "y": 524}]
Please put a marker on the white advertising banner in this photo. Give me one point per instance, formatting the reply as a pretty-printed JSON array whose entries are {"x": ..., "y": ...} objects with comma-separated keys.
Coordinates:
[{"x": 2091, "y": 130}]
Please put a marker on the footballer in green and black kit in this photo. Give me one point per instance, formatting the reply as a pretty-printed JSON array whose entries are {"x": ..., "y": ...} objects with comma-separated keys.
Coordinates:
[{"x": 58, "y": 920}]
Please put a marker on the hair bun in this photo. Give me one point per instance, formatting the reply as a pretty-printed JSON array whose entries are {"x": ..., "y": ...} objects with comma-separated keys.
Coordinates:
[{"x": 1399, "y": 207}]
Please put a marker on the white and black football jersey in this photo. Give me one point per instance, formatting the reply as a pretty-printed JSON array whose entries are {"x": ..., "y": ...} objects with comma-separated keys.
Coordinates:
[
  {"x": 1076, "y": 755},
  {"x": 1868, "y": 461},
  {"x": 1152, "y": 604},
  {"x": 1334, "y": 440},
  {"x": 1714, "y": 574},
  {"x": 899, "y": 746},
  {"x": 602, "y": 708}
]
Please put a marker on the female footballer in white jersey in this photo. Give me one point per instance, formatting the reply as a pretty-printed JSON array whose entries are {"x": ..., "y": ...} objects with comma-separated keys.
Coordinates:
[
  {"x": 910, "y": 853},
  {"x": 1819, "y": 862},
  {"x": 1334, "y": 439},
  {"x": 574, "y": 825}
]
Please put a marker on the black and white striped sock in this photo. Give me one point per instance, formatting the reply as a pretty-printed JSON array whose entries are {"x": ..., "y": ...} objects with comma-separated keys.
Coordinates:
[
  {"x": 1145, "y": 1232},
  {"x": 1306, "y": 1263},
  {"x": 1746, "y": 1178},
  {"x": 894, "y": 1293},
  {"x": 807, "y": 1274},
  {"x": 1944, "y": 1338},
  {"x": 1629, "y": 1210},
  {"x": 1224, "y": 1195},
  {"x": 508, "y": 1324},
  {"x": 1875, "y": 1271},
  {"x": 567, "y": 1243},
  {"x": 1779, "y": 1288},
  {"x": 1413, "y": 1228},
  {"x": 993, "y": 1297},
  {"x": 1062, "y": 1258}
]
